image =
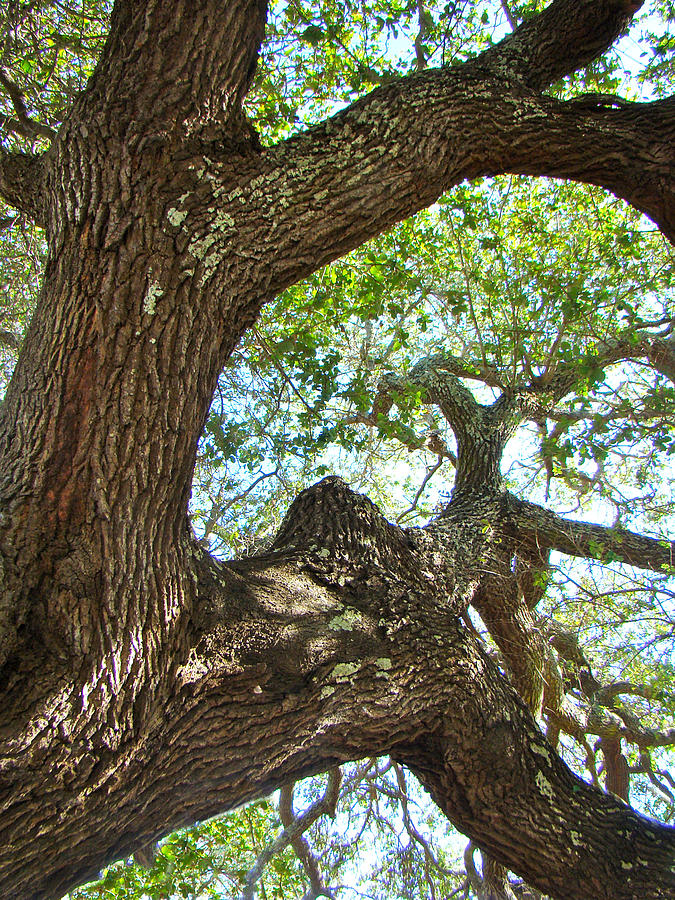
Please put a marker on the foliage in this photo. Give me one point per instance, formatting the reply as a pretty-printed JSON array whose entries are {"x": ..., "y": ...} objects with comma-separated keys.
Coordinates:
[{"x": 208, "y": 861}]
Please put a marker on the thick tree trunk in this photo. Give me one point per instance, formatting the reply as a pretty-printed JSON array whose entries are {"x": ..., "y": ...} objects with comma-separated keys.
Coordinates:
[{"x": 145, "y": 685}]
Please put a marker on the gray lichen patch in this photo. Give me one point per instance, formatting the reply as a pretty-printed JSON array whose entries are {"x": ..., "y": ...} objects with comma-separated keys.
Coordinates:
[
  {"x": 152, "y": 295},
  {"x": 544, "y": 786},
  {"x": 348, "y": 620},
  {"x": 541, "y": 751},
  {"x": 176, "y": 216},
  {"x": 344, "y": 671}
]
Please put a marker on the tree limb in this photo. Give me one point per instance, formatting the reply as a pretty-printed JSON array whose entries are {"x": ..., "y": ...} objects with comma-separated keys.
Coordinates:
[
  {"x": 561, "y": 39},
  {"x": 420, "y": 136},
  {"x": 589, "y": 540},
  {"x": 292, "y": 834},
  {"x": 658, "y": 351},
  {"x": 26, "y": 125}
]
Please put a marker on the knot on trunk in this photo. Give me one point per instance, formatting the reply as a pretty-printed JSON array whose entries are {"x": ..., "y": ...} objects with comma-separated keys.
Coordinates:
[
  {"x": 343, "y": 539},
  {"x": 330, "y": 521}
]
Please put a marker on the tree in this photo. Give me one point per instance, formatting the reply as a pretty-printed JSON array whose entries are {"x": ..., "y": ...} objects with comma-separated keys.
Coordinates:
[{"x": 148, "y": 684}]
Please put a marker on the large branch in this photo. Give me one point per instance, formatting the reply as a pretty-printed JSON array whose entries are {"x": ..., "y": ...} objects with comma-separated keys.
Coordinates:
[
  {"x": 607, "y": 851},
  {"x": 318, "y": 195},
  {"x": 585, "y": 539},
  {"x": 625, "y": 150},
  {"x": 563, "y": 38},
  {"x": 183, "y": 66},
  {"x": 398, "y": 149},
  {"x": 657, "y": 350}
]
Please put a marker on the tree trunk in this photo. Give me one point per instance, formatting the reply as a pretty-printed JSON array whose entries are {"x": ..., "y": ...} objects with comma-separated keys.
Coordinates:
[{"x": 145, "y": 685}]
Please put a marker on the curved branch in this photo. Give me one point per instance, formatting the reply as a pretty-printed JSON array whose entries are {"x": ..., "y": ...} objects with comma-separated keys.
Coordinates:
[
  {"x": 26, "y": 126},
  {"x": 396, "y": 150},
  {"x": 615, "y": 853},
  {"x": 292, "y": 834},
  {"x": 435, "y": 376},
  {"x": 615, "y": 723},
  {"x": 658, "y": 351},
  {"x": 564, "y": 37}
]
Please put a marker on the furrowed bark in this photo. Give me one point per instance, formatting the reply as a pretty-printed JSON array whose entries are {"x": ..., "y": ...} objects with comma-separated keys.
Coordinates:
[
  {"x": 290, "y": 654},
  {"x": 21, "y": 183},
  {"x": 177, "y": 70}
]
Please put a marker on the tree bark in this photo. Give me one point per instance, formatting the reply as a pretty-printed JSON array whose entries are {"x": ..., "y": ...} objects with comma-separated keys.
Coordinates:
[{"x": 144, "y": 685}]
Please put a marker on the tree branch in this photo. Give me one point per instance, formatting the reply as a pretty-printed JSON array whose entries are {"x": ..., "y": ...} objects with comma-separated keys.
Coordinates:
[
  {"x": 292, "y": 834},
  {"x": 160, "y": 82},
  {"x": 617, "y": 868},
  {"x": 396, "y": 150},
  {"x": 588, "y": 540},
  {"x": 658, "y": 351},
  {"x": 342, "y": 641},
  {"x": 26, "y": 125},
  {"x": 564, "y": 37}
]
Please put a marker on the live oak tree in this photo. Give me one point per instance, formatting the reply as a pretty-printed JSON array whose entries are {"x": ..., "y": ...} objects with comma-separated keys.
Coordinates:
[{"x": 147, "y": 684}]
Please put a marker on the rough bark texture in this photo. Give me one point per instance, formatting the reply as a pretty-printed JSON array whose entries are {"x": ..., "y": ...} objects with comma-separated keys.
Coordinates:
[{"x": 145, "y": 685}]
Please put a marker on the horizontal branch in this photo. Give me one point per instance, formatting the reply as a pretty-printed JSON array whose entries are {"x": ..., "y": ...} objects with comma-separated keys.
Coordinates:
[
  {"x": 26, "y": 125},
  {"x": 395, "y": 151},
  {"x": 659, "y": 352},
  {"x": 610, "y": 723},
  {"x": 588, "y": 540}
]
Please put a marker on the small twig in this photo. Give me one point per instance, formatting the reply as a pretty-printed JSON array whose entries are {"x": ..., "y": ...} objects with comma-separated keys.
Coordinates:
[
  {"x": 648, "y": 769},
  {"x": 294, "y": 830},
  {"x": 431, "y": 471},
  {"x": 510, "y": 18},
  {"x": 219, "y": 509},
  {"x": 420, "y": 58},
  {"x": 262, "y": 343},
  {"x": 429, "y": 856}
]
